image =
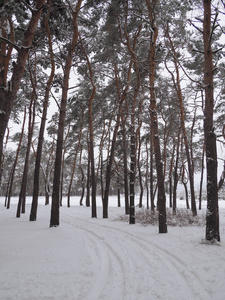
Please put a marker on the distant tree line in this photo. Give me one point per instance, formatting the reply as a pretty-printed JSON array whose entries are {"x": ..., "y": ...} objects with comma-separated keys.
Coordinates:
[{"x": 139, "y": 91}]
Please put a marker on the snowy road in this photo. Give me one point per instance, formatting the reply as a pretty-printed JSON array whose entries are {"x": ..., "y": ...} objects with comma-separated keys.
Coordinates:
[{"x": 93, "y": 259}]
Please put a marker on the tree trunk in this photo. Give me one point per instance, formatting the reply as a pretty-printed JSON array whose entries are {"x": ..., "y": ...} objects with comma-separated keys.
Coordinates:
[
  {"x": 146, "y": 176},
  {"x": 82, "y": 177},
  {"x": 47, "y": 174},
  {"x": 91, "y": 139},
  {"x": 7, "y": 96},
  {"x": 75, "y": 160},
  {"x": 23, "y": 189},
  {"x": 125, "y": 168},
  {"x": 118, "y": 183},
  {"x": 140, "y": 174},
  {"x": 113, "y": 144},
  {"x": 132, "y": 170},
  {"x": 177, "y": 86},
  {"x": 201, "y": 178},
  {"x": 222, "y": 177},
  {"x": 212, "y": 216},
  {"x": 151, "y": 172},
  {"x": 139, "y": 156},
  {"x": 54, "y": 220},
  {"x": 88, "y": 178},
  {"x": 34, "y": 205},
  {"x": 11, "y": 179},
  {"x": 5, "y": 57},
  {"x": 175, "y": 176},
  {"x": 154, "y": 124},
  {"x": 171, "y": 175},
  {"x": 133, "y": 140},
  {"x": 184, "y": 182}
]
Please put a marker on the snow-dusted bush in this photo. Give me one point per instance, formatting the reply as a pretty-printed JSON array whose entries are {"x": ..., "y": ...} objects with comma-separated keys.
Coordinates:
[{"x": 183, "y": 217}]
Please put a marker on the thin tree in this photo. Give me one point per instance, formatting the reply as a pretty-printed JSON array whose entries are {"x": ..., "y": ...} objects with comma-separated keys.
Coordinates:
[
  {"x": 75, "y": 159},
  {"x": 91, "y": 137},
  {"x": 31, "y": 122},
  {"x": 12, "y": 173},
  {"x": 175, "y": 172},
  {"x": 177, "y": 86},
  {"x": 121, "y": 96},
  {"x": 54, "y": 220},
  {"x": 154, "y": 121},
  {"x": 33, "y": 212}
]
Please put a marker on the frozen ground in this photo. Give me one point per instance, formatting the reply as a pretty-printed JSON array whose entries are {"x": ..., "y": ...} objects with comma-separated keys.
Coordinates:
[{"x": 94, "y": 259}]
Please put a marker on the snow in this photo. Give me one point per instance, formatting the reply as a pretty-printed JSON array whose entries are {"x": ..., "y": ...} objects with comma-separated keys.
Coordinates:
[{"x": 94, "y": 259}]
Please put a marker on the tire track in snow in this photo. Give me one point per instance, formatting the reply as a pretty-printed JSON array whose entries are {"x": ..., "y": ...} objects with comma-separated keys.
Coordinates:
[
  {"x": 187, "y": 277},
  {"x": 106, "y": 261},
  {"x": 129, "y": 261},
  {"x": 179, "y": 273}
]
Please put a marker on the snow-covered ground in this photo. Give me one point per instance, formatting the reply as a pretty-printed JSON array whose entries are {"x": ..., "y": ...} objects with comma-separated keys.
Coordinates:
[{"x": 93, "y": 259}]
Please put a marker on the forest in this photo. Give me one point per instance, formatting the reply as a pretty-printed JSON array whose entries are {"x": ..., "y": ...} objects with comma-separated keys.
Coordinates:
[{"x": 113, "y": 97}]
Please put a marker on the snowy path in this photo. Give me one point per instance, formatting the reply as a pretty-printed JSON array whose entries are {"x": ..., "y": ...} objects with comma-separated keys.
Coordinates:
[
  {"x": 98, "y": 259},
  {"x": 139, "y": 264}
]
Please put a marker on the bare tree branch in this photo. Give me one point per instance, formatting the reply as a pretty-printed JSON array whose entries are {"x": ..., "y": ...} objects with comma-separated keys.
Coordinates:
[{"x": 10, "y": 43}]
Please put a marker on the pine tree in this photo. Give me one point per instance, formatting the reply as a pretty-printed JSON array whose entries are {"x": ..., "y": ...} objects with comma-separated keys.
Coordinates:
[{"x": 212, "y": 216}]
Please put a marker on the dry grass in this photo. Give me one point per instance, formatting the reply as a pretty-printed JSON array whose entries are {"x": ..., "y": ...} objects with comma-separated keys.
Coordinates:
[{"x": 182, "y": 218}]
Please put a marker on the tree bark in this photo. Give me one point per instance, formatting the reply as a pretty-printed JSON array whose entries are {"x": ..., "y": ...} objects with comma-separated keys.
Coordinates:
[
  {"x": 125, "y": 168},
  {"x": 175, "y": 176},
  {"x": 133, "y": 139},
  {"x": 171, "y": 175},
  {"x": 154, "y": 123},
  {"x": 34, "y": 205},
  {"x": 54, "y": 220},
  {"x": 151, "y": 172},
  {"x": 88, "y": 176},
  {"x": 212, "y": 216},
  {"x": 201, "y": 178},
  {"x": 147, "y": 174}
]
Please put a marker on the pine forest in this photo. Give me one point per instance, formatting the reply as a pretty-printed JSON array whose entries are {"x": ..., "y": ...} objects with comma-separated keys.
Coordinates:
[{"x": 118, "y": 97}]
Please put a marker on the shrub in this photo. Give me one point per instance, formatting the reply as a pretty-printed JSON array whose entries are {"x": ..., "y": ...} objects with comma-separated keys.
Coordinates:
[{"x": 182, "y": 218}]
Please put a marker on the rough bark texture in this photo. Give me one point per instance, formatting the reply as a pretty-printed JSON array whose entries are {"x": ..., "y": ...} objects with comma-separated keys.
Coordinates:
[{"x": 212, "y": 216}]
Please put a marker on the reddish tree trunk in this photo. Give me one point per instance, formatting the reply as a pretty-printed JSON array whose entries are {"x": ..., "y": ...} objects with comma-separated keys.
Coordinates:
[
  {"x": 7, "y": 96},
  {"x": 33, "y": 212},
  {"x": 154, "y": 124},
  {"x": 54, "y": 220}
]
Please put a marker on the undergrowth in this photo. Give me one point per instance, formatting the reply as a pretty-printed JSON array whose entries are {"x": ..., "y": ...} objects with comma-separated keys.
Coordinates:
[{"x": 182, "y": 218}]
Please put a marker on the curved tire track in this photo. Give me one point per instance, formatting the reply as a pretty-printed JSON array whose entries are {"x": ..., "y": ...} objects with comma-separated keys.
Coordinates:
[{"x": 179, "y": 273}]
